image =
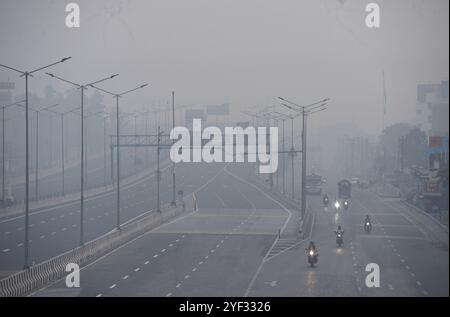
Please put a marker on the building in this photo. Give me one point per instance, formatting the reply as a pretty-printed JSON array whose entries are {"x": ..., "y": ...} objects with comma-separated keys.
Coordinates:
[{"x": 432, "y": 108}]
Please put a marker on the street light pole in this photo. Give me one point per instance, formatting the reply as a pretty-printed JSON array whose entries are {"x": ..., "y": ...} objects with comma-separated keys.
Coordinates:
[
  {"x": 82, "y": 87},
  {"x": 158, "y": 172},
  {"x": 26, "y": 74},
  {"x": 304, "y": 110},
  {"x": 173, "y": 163},
  {"x": 117, "y": 96},
  {"x": 3, "y": 145}
]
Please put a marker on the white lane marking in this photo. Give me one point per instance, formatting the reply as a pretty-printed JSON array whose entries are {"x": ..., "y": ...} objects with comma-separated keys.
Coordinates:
[
  {"x": 98, "y": 295},
  {"x": 74, "y": 225},
  {"x": 146, "y": 262},
  {"x": 53, "y": 233},
  {"x": 5, "y": 250},
  {"x": 112, "y": 286},
  {"x": 217, "y": 244},
  {"x": 178, "y": 285},
  {"x": 212, "y": 251},
  {"x": 407, "y": 267},
  {"x": 137, "y": 269},
  {"x": 42, "y": 221},
  {"x": 125, "y": 277},
  {"x": 168, "y": 294},
  {"x": 206, "y": 256},
  {"x": 390, "y": 287},
  {"x": 171, "y": 245},
  {"x": 418, "y": 283},
  {"x": 200, "y": 263},
  {"x": 20, "y": 244},
  {"x": 19, "y": 229},
  {"x": 163, "y": 250},
  {"x": 6, "y": 233},
  {"x": 64, "y": 229},
  {"x": 194, "y": 269},
  {"x": 425, "y": 293},
  {"x": 155, "y": 256},
  {"x": 42, "y": 237},
  {"x": 177, "y": 240},
  {"x": 183, "y": 236},
  {"x": 186, "y": 277}
]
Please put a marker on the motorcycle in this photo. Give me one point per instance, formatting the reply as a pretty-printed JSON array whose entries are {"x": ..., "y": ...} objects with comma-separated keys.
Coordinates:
[
  {"x": 312, "y": 257},
  {"x": 367, "y": 227},
  {"x": 325, "y": 201},
  {"x": 339, "y": 238},
  {"x": 345, "y": 204},
  {"x": 337, "y": 205}
]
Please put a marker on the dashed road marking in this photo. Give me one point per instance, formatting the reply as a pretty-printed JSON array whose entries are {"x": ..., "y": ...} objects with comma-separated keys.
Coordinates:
[{"x": 112, "y": 286}]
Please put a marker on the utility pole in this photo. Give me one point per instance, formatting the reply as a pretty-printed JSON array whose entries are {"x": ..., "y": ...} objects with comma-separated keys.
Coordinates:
[
  {"x": 158, "y": 172},
  {"x": 173, "y": 203},
  {"x": 284, "y": 161},
  {"x": 292, "y": 156},
  {"x": 82, "y": 89},
  {"x": 303, "y": 199},
  {"x": 117, "y": 96}
]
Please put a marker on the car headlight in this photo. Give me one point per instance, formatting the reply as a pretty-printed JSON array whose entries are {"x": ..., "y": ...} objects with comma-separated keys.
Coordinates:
[
  {"x": 336, "y": 204},
  {"x": 311, "y": 252}
]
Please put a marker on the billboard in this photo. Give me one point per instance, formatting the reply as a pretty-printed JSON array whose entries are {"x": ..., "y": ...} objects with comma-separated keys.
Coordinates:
[
  {"x": 195, "y": 114},
  {"x": 218, "y": 110}
]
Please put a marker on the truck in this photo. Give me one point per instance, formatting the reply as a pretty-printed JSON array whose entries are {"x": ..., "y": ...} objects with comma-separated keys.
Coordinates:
[
  {"x": 344, "y": 189},
  {"x": 314, "y": 184}
]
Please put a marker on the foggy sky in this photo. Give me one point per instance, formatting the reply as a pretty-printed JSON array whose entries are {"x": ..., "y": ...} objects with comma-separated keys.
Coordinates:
[{"x": 246, "y": 52}]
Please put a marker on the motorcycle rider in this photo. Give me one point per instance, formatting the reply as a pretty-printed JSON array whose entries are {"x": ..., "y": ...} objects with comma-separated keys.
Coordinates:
[
  {"x": 339, "y": 230},
  {"x": 367, "y": 223},
  {"x": 312, "y": 247},
  {"x": 325, "y": 199}
]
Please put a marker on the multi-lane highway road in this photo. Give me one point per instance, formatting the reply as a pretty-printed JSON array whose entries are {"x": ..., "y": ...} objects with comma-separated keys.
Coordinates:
[{"x": 230, "y": 246}]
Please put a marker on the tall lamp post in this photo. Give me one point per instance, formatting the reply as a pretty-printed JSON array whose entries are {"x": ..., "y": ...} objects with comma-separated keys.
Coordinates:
[
  {"x": 82, "y": 88},
  {"x": 27, "y": 74},
  {"x": 173, "y": 203},
  {"x": 3, "y": 144},
  {"x": 117, "y": 96},
  {"x": 304, "y": 111},
  {"x": 62, "y": 114}
]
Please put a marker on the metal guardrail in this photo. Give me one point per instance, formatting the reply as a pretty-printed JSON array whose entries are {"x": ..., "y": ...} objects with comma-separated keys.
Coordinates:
[{"x": 35, "y": 277}]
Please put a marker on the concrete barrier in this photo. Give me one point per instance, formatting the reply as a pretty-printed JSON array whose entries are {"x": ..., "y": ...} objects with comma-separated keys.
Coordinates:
[{"x": 37, "y": 276}]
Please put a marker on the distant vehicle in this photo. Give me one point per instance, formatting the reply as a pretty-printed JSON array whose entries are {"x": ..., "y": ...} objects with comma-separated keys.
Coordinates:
[
  {"x": 314, "y": 184},
  {"x": 313, "y": 190},
  {"x": 344, "y": 189},
  {"x": 354, "y": 180},
  {"x": 363, "y": 184}
]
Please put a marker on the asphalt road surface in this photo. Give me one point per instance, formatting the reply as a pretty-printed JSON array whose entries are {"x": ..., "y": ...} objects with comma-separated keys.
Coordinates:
[{"x": 229, "y": 247}]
